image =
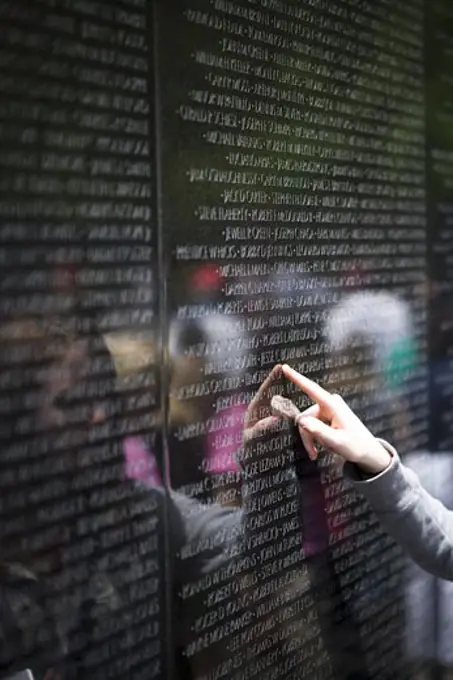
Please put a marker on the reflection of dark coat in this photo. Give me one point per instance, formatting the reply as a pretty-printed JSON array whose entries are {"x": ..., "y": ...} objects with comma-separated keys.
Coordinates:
[{"x": 205, "y": 551}]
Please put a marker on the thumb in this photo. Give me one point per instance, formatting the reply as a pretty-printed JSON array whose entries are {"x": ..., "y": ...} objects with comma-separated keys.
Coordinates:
[{"x": 324, "y": 434}]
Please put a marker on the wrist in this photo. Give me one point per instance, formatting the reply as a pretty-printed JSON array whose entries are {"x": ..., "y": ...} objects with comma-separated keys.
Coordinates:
[{"x": 376, "y": 459}]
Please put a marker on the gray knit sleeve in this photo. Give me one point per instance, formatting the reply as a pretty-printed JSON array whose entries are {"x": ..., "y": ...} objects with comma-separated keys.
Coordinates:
[{"x": 422, "y": 525}]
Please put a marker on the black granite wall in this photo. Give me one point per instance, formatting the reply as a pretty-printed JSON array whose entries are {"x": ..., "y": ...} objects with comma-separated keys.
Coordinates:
[{"x": 192, "y": 192}]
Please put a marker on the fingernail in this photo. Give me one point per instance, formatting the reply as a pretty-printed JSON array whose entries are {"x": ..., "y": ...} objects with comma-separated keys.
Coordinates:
[
  {"x": 298, "y": 419},
  {"x": 313, "y": 453}
]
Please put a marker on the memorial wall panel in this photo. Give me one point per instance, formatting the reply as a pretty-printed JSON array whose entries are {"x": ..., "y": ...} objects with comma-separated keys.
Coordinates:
[
  {"x": 191, "y": 193},
  {"x": 294, "y": 230},
  {"x": 77, "y": 304}
]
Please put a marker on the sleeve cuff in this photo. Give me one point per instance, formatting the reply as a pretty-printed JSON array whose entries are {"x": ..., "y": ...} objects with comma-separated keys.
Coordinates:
[{"x": 388, "y": 489}]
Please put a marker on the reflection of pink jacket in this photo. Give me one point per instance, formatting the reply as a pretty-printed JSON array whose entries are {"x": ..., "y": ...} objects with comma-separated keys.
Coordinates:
[
  {"x": 141, "y": 464},
  {"x": 220, "y": 450}
]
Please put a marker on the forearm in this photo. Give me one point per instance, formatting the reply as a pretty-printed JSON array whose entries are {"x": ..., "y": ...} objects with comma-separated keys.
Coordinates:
[
  {"x": 422, "y": 525},
  {"x": 376, "y": 459}
]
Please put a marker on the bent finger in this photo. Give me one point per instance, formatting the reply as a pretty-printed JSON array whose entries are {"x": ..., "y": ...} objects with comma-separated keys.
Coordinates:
[
  {"x": 307, "y": 439},
  {"x": 309, "y": 443},
  {"x": 313, "y": 411},
  {"x": 324, "y": 434}
]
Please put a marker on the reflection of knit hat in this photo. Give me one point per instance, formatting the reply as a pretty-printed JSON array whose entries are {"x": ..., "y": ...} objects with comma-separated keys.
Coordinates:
[{"x": 382, "y": 321}]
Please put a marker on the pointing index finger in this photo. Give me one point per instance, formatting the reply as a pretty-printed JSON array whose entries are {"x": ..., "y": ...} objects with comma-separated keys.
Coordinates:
[{"x": 311, "y": 389}]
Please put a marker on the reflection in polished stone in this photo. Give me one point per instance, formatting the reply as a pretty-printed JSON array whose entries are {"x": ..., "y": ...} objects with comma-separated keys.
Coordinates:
[{"x": 191, "y": 194}]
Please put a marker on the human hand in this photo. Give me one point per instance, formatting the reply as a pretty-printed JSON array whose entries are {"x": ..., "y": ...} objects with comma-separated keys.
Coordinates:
[{"x": 331, "y": 422}]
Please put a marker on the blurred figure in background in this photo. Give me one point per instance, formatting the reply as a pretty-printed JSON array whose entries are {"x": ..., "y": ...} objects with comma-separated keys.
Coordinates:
[
  {"x": 371, "y": 335},
  {"x": 206, "y": 345}
]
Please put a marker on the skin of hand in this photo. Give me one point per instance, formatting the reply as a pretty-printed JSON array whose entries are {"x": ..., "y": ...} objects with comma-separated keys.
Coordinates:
[{"x": 331, "y": 422}]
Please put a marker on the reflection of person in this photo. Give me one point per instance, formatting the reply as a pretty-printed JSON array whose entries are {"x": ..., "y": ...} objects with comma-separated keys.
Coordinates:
[
  {"x": 108, "y": 554},
  {"x": 381, "y": 319},
  {"x": 239, "y": 557},
  {"x": 210, "y": 347},
  {"x": 374, "y": 330},
  {"x": 420, "y": 523}
]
